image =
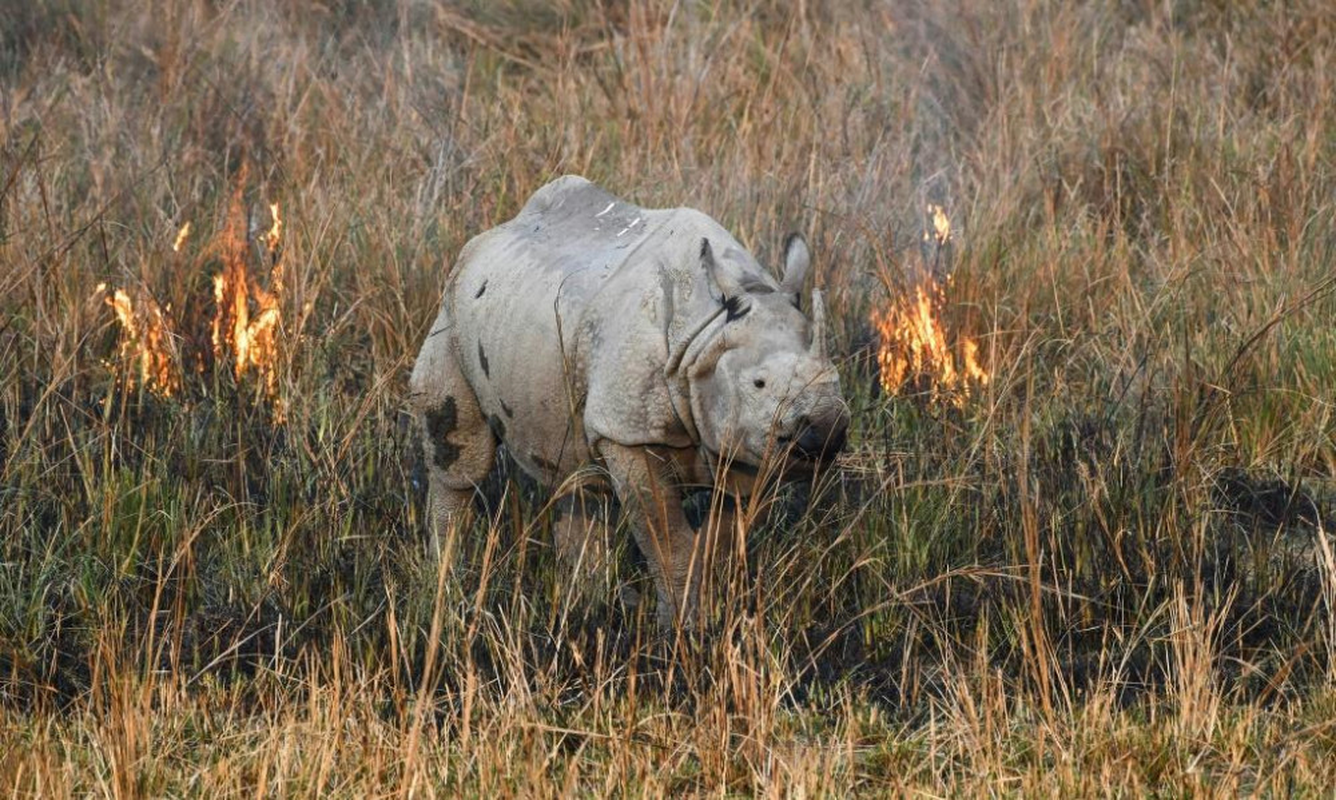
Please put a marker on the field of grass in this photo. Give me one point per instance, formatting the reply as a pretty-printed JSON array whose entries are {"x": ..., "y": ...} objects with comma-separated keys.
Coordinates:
[{"x": 1105, "y": 572}]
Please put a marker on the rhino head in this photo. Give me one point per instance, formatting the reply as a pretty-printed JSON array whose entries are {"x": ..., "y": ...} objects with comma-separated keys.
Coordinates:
[{"x": 763, "y": 387}]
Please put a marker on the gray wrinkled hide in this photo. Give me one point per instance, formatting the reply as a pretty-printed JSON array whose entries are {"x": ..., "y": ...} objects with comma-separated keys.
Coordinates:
[{"x": 569, "y": 333}]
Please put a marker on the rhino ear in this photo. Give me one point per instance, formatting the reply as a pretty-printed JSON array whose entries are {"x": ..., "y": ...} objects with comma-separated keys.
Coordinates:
[
  {"x": 797, "y": 258},
  {"x": 728, "y": 283}
]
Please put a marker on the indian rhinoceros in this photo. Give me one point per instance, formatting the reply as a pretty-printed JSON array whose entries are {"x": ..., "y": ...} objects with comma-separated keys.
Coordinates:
[{"x": 613, "y": 346}]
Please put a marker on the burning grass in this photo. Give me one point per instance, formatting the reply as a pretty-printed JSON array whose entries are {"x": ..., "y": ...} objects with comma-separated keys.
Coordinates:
[
  {"x": 247, "y": 318},
  {"x": 1111, "y": 575},
  {"x": 916, "y": 354},
  {"x": 146, "y": 354},
  {"x": 246, "y": 324}
]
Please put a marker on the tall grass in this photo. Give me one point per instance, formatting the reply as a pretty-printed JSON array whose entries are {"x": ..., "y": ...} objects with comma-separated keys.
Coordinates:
[{"x": 1108, "y": 573}]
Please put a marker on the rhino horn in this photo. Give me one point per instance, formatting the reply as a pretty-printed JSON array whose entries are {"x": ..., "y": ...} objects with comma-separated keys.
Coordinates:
[
  {"x": 797, "y": 258},
  {"x": 818, "y": 325}
]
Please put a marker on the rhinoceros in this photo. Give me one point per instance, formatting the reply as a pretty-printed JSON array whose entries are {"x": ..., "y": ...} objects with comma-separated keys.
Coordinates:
[{"x": 641, "y": 350}]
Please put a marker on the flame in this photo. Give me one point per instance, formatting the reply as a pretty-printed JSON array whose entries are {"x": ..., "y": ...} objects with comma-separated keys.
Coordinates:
[
  {"x": 941, "y": 225},
  {"x": 274, "y": 236},
  {"x": 145, "y": 342},
  {"x": 974, "y": 372},
  {"x": 916, "y": 353},
  {"x": 247, "y": 316},
  {"x": 246, "y": 325},
  {"x": 181, "y": 237}
]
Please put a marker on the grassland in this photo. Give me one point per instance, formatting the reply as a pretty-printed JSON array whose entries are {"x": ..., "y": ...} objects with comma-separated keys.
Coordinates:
[{"x": 1108, "y": 572}]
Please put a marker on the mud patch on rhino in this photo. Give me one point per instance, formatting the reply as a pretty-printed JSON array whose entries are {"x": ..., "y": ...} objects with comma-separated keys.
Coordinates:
[
  {"x": 442, "y": 421},
  {"x": 481, "y": 289},
  {"x": 482, "y": 360}
]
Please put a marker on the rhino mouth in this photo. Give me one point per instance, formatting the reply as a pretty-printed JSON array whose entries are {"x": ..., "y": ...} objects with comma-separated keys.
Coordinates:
[
  {"x": 733, "y": 463},
  {"x": 814, "y": 445},
  {"x": 798, "y": 462}
]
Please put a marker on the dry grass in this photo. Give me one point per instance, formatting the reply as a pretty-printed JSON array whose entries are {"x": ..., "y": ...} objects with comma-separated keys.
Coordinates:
[{"x": 1106, "y": 574}]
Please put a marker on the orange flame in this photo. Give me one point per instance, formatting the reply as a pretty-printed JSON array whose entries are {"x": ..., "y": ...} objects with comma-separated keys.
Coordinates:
[
  {"x": 145, "y": 343},
  {"x": 247, "y": 316},
  {"x": 181, "y": 237},
  {"x": 247, "y": 320},
  {"x": 275, "y": 234},
  {"x": 941, "y": 226},
  {"x": 915, "y": 352}
]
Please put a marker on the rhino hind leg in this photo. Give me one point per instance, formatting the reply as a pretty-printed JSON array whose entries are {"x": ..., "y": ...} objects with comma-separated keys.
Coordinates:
[{"x": 458, "y": 446}]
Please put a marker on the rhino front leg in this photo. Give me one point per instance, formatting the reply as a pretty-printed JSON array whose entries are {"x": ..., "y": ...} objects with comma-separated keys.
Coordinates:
[
  {"x": 718, "y": 542},
  {"x": 652, "y": 500}
]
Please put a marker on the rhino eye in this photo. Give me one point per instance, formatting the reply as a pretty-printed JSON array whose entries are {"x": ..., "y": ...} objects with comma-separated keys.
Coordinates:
[{"x": 759, "y": 383}]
